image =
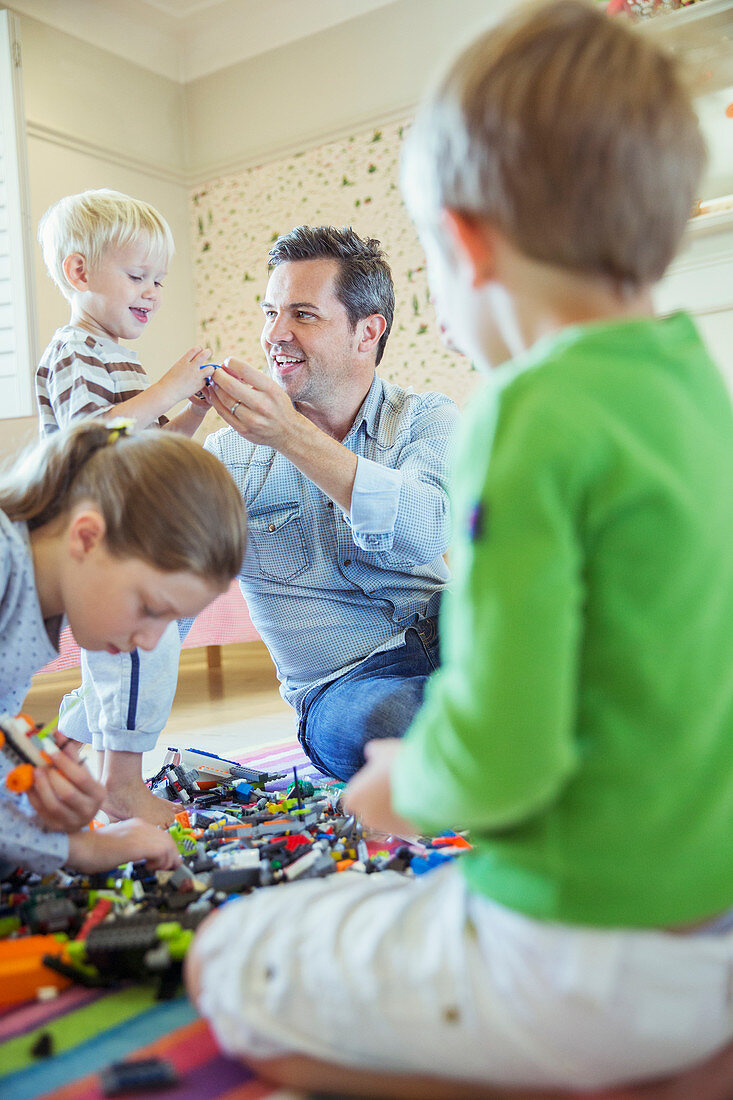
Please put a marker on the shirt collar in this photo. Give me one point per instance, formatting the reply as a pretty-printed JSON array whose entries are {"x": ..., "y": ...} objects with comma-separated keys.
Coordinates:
[{"x": 369, "y": 409}]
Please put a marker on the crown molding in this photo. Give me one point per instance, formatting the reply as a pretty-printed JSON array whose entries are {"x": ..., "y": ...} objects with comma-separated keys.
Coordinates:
[
  {"x": 67, "y": 140},
  {"x": 192, "y": 178}
]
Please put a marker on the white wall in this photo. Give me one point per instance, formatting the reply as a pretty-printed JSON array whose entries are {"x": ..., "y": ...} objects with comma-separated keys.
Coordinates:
[
  {"x": 369, "y": 70},
  {"x": 701, "y": 281},
  {"x": 95, "y": 120}
]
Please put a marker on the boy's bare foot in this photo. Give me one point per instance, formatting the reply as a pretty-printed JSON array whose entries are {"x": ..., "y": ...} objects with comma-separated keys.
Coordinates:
[{"x": 135, "y": 800}]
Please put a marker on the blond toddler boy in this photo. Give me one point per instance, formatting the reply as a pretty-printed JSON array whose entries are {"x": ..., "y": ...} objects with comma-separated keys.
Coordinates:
[{"x": 108, "y": 254}]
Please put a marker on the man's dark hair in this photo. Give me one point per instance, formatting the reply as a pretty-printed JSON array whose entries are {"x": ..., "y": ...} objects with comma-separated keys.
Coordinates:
[{"x": 364, "y": 283}]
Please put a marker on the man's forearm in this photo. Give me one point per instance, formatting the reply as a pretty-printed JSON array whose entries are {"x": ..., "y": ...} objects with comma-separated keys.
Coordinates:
[{"x": 323, "y": 460}]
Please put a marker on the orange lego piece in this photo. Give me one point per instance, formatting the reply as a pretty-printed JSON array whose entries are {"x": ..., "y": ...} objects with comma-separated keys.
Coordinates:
[
  {"x": 451, "y": 842},
  {"x": 22, "y": 973},
  {"x": 20, "y": 779}
]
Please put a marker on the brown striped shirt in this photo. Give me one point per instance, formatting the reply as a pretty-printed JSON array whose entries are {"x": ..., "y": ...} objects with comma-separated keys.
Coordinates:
[{"x": 83, "y": 375}]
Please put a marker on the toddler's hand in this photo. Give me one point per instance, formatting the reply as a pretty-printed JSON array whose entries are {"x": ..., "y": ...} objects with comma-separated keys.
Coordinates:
[
  {"x": 65, "y": 795},
  {"x": 186, "y": 376}
]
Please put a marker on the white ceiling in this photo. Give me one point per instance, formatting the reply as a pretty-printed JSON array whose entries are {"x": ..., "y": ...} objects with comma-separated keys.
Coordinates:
[{"x": 186, "y": 39}]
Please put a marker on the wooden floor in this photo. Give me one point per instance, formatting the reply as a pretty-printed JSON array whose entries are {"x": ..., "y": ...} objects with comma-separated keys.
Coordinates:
[{"x": 226, "y": 709}]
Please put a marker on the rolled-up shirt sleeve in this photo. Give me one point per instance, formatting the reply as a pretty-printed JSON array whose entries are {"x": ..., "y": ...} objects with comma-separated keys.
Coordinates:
[
  {"x": 375, "y": 499},
  {"x": 404, "y": 507}
]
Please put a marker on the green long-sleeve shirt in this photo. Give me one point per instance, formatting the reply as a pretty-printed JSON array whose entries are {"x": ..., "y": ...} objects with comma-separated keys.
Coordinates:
[{"x": 582, "y": 723}]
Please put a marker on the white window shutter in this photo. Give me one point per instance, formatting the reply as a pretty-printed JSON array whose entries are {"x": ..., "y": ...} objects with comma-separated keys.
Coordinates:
[{"x": 17, "y": 299}]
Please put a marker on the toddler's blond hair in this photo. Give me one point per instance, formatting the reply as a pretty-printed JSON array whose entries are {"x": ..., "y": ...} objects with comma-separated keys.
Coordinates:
[
  {"x": 91, "y": 222},
  {"x": 573, "y": 133}
]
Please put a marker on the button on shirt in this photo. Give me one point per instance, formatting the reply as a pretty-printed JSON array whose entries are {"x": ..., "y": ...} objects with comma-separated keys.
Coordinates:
[
  {"x": 27, "y": 643},
  {"x": 326, "y": 590}
]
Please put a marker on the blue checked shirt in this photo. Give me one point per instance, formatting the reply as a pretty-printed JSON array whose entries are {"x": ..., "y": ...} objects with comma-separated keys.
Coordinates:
[{"x": 325, "y": 590}]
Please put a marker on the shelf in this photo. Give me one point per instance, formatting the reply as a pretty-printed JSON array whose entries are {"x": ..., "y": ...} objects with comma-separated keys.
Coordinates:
[{"x": 703, "y": 34}]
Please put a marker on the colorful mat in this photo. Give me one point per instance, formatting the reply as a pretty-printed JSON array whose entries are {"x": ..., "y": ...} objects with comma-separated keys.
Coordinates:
[{"x": 89, "y": 1029}]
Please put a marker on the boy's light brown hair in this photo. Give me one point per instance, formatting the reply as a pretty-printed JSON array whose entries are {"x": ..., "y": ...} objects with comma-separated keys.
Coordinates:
[{"x": 573, "y": 133}]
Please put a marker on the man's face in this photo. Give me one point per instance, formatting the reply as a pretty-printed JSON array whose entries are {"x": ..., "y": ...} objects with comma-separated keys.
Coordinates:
[{"x": 307, "y": 337}]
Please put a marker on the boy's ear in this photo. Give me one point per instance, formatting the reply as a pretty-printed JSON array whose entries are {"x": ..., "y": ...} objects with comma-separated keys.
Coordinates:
[
  {"x": 76, "y": 270},
  {"x": 86, "y": 533},
  {"x": 473, "y": 243},
  {"x": 372, "y": 329}
]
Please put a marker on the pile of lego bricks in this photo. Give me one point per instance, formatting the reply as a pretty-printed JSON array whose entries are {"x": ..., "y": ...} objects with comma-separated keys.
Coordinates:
[
  {"x": 96, "y": 960},
  {"x": 56, "y": 1046},
  {"x": 235, "y": 835}
]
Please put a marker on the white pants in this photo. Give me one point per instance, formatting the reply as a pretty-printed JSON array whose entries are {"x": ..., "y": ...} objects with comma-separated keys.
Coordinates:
[
  {"x": 126, "y": 697},
  {"x": 420, "y": 975}
]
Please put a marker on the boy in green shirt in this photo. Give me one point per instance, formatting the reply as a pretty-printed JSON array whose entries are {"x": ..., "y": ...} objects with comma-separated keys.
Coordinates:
[{"x": 581, "y": 723}]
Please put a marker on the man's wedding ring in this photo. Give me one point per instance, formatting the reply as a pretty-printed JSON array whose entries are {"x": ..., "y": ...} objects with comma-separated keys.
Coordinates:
[{"x": 234, "y": 408}]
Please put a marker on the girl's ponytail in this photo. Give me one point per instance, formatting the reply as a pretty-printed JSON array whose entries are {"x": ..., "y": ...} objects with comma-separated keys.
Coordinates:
[{"x": 36, "y": 488}]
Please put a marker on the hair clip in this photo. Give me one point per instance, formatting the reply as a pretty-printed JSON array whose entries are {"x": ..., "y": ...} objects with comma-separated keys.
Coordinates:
[{"x": 117, "y": 427}]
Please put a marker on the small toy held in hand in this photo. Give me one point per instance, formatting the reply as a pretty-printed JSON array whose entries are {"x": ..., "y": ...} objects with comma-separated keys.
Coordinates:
[
  {"x": 207, "y": 380},
  {"x": 21, "y": 742}
]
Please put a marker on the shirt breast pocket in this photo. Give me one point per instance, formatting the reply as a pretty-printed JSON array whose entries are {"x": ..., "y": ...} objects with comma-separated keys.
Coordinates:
[{"x": 276, "y": 535}]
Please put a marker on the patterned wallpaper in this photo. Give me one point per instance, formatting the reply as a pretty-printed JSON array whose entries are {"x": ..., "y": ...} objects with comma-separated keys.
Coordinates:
[{"x": 349, "y": 182}]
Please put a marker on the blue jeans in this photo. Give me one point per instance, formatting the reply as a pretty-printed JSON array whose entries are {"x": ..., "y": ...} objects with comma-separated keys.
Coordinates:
[{"x": 378, "y": 698}]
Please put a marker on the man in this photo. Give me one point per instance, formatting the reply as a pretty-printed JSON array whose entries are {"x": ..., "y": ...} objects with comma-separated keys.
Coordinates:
[{"x": 344, "y": 477}]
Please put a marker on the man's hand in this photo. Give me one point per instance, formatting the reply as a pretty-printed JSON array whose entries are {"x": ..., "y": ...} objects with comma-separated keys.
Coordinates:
[
  {"x": 65, "y": 795},
  {"x": 369, "y": 793},
  {"x": 262, "y": 412}
]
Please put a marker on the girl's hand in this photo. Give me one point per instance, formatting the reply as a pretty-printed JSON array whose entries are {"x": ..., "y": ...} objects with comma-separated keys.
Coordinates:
[
  {"x": 65, "y": 795},
  {"x": 125, "y": 841},
  {"x": 369, "y": 793}
]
